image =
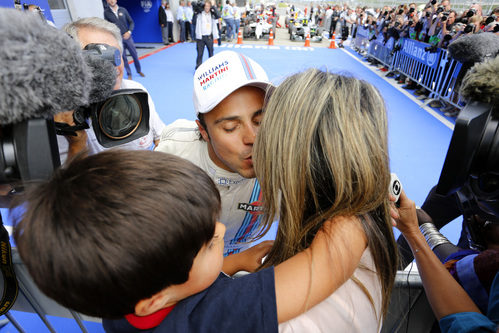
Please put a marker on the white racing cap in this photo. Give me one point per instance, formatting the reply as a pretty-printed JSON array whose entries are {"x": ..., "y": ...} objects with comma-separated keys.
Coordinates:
[{"x": 221, "y": 75}]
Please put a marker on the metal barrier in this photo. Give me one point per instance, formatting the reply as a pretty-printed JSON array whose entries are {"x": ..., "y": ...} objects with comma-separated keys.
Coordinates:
[
  {"x": 361, "y": 40},
  {"x": 381, "y": 51},
  {"x": 420, "y": 65},
  {"x": 452, "y": 75},
  {"x": 432, "y": 69}
]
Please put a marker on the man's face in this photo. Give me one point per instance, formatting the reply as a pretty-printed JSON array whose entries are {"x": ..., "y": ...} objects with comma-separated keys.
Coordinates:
[
  {"x": 231, "y": 128},
  {"x": 112, "y": 3},
  {"x": 452, "y": 18},
  {"x": 207, "y": 6},
  {"x": 90, "y": 35}
]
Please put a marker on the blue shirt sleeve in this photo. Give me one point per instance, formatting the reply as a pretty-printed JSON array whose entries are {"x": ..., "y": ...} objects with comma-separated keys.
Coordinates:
[
  {"x": 472, "y": 321},
  {"x": 464, "y": 322}
]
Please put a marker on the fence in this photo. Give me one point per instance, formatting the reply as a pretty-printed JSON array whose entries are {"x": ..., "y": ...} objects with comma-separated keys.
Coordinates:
[{"x": 432, "y": 69}]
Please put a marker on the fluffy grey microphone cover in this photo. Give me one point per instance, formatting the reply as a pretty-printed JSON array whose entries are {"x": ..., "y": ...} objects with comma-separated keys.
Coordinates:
[
  {"x": 481, "y": 83},
  {"x": 103, "y": 77},
  {"x": 42, "y": 70},
  {"x": 474, "y": 48}
]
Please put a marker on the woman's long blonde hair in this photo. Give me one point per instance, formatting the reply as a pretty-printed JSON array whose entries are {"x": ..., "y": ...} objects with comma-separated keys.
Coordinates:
[{"x": 321, "y": 152}]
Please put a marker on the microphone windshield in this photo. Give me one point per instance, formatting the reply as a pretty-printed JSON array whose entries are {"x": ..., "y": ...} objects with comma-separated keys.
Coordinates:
[
  {"x": 474, "y": 48},
  {"x": 104, "y": 76},
  {"x": 42, "y": 69},
  {"x": 480, "y": 84}
]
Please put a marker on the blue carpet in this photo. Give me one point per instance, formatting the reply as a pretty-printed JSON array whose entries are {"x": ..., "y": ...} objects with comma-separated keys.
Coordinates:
[{"x": 418, "y": 142}]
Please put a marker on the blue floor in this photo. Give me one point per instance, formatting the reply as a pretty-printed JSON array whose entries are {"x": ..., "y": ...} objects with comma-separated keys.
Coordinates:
[{"x": 418, "y": 142}]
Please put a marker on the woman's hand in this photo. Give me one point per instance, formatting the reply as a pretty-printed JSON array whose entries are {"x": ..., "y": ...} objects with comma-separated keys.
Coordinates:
[{"x": 404, "y": 217}]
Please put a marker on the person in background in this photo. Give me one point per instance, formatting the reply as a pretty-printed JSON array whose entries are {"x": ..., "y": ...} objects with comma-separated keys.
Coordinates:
[
  {"x": 228, "y": 17},
  {"x": 123, "y": 20},
  {"x": 237, "y": 19},
  {"x": 206, "y": 31},
  {"x": 165, "y": 21},
  {"x": 181, "y": 18},
  {"x": 189, "y": 26}
]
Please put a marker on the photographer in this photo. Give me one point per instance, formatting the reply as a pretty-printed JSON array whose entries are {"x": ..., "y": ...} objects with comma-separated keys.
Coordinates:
[
  {"x": 96, "y": 30},
  {"x": 206, "y": 30}
]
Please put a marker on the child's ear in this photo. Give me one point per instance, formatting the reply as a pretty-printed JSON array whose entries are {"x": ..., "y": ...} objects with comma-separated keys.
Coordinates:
[{"x": 152, "y": 304}]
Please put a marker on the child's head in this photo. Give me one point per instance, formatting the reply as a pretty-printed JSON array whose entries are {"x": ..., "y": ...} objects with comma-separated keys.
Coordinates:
[{"x": 112, "y": 229}]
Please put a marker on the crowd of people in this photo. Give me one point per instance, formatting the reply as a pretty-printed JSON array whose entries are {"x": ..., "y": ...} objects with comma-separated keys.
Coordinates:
[
  {"x": 149, "y": 240},
  {"x": 435, "y": 23}
]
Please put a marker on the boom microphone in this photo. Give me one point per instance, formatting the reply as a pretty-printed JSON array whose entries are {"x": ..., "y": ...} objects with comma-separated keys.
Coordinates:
[
  {"x": 474, "y": 48},
  {"x": 43, "y": 70},
  {"x": 103, "y": 77},
  {"x": 481, "y": 84}
]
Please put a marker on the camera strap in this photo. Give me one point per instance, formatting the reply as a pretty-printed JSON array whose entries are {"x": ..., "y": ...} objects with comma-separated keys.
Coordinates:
[
  {"x": 10, "y": 284},
  {"x": 66, "y": 129}
]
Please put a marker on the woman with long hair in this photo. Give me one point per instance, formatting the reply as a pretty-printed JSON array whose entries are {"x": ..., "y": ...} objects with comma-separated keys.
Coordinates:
[{"x": 322, "y": 152}]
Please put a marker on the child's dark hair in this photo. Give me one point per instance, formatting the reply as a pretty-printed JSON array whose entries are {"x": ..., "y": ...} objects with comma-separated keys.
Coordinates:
[{"x": 114, "y": 228}]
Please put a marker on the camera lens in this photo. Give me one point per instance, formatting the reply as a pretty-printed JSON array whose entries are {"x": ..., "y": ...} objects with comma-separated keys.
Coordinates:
[{"x": 120, "y": 116}]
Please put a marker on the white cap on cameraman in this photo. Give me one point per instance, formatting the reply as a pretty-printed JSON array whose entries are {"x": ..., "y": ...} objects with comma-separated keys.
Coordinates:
[{"x": 221, "y": 75}]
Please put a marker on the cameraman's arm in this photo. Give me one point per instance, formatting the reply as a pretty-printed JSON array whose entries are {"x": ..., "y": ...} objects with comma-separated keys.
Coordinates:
[
  {"x": 76, "y": 143},
  {"x": 433, "y": 27},
  {"x": 444, "y": 301}
]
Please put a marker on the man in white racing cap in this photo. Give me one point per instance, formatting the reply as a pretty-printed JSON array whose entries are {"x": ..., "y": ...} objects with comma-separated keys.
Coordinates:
[{"x": 229, "y": 92}]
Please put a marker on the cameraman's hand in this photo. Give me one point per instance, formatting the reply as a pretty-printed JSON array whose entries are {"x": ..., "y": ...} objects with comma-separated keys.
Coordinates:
[
  {"x": 76, "y": 143},
  {"x": 249, "y": 260}
]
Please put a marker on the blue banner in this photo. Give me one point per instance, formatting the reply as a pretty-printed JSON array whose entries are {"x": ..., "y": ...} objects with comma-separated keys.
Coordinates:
[
  {"x": 145, "y": 15},
  {"x": 416, "y": 50}
]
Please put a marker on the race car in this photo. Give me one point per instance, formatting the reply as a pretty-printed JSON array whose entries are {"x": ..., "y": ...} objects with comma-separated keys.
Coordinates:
[{"x": 300, "y": 27}]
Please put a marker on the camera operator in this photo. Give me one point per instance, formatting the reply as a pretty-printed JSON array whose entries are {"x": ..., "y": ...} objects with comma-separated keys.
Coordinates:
[
  {"x": 467, "y": 186},
  {"x": 96, "y": 30},
  {"x": 206, "y": 30}
]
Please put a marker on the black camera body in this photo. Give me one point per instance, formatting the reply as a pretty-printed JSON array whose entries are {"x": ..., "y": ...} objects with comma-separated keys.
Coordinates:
[
  {"x": 197, "y": 6},
  {"x": 469, "y": 28},
  {"x": 471, "y": 12},
  {"x": 104, "y": 51},
  {"x": 29, "y": 149},
  {"x": 471, "y": 167}
]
